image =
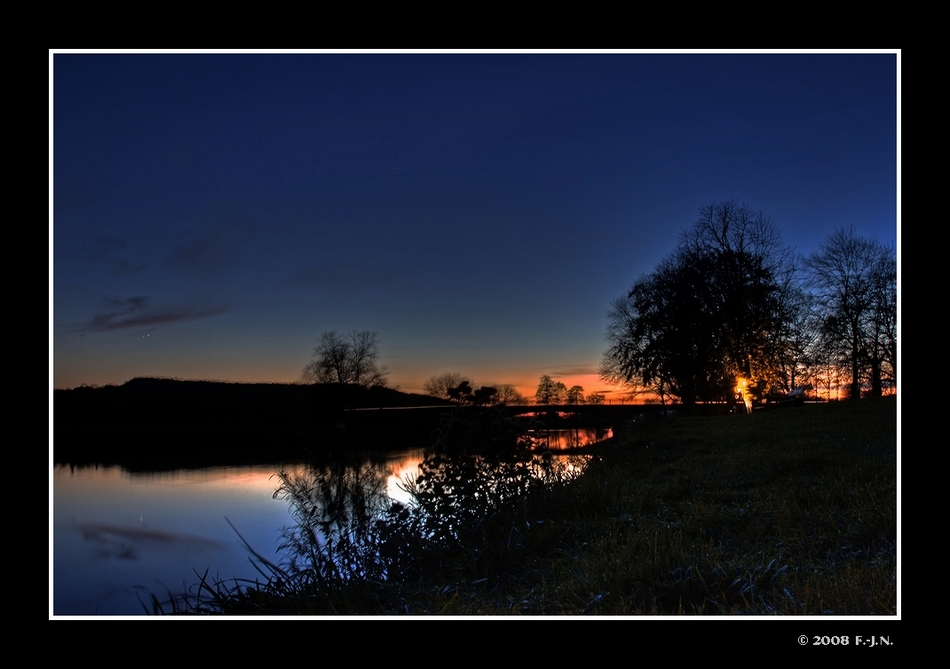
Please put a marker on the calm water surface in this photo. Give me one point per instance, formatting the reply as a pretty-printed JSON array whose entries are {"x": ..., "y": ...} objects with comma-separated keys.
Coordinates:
[
  {"x": 118, "y": 536},
  {"x": 114, "y": 531}
]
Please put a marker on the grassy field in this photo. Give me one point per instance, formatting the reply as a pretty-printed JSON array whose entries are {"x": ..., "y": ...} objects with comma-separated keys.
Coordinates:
[
  {"x": 791, "y": 512},
  {"x": 788, "y": 512}
]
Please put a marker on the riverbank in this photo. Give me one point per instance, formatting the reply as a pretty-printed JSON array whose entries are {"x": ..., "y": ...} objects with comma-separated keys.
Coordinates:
[{"x": 790, "y": 512}]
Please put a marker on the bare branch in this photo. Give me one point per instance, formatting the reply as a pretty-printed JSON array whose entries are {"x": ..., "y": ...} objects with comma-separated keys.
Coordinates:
[{"x": 346, "y": 359}]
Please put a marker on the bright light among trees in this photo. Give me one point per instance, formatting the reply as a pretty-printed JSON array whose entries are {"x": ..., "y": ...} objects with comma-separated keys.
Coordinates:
[
  {"x": 728, "y": 316},
  {"x": 709, "y": 314}
]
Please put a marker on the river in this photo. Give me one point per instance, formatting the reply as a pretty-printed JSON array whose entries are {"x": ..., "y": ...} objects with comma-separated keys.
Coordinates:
[{"x": 118, "y": 537}]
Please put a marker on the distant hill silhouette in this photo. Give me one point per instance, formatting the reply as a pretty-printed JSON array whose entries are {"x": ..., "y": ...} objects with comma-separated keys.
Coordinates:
[{"x": 173, "y": 417}]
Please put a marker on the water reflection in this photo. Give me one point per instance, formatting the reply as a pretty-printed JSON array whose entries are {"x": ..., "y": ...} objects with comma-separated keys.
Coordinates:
[
  {"x": 335, "y": 507},
  {"x": 347, "y": 524},
  {"x": 128, "y": 543},
  {"x": 563, "y": 439},
  {"x": 114, "y": 530},
  {"x": 376, "y": 514}
]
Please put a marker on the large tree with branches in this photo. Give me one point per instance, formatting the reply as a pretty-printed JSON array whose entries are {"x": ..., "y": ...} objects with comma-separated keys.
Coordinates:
[{"x": 710, "y": 313}]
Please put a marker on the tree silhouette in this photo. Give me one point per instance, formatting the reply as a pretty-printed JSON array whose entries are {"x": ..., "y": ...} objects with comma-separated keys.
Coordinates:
[
  {"x": 351, "y": 358},
  {"x": 440, "y": 384},
  {"x": 459, "y": 388},
  {"x": 662, "y": 332},
  {"x": 575, "y": 395},
  {"x": 484, "y": 395},
  {"x": 711, "y": 313},
  {"x": 508, "y": 394},
  {"x": 550, "y": 391},
  {"x": 854, "y": 280},
  {"x": 462, "y": 393},
  {"x": 798, "y": 357}
]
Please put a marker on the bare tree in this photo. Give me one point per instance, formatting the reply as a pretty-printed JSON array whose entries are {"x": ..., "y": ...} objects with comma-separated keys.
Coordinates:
[
  {"x": 727, "y": 227},
  {"x": 508, "y": 394},
  {"x": 854, "y": 280},
  {"x": 440, "y": 384},
  {"x": 884, "y": 320},
  {"x": 351, "y": 358}
]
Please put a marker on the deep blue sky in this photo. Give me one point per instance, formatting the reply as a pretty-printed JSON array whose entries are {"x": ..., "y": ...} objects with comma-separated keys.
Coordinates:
[{"x": 212, "y": 214}]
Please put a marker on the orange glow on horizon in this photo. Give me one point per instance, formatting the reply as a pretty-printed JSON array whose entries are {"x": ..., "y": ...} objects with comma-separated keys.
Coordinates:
[{"x": 591, "y": 383}]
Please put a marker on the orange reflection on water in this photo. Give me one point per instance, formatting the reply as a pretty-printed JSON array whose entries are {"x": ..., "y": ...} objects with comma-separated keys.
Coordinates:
[
  {"x": 399, "y": 471},
  {"x": 565, "y": 439}
]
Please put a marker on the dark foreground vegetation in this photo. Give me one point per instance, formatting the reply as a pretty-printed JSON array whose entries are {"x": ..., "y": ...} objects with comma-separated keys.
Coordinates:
[{"x": 790, "y": 512}]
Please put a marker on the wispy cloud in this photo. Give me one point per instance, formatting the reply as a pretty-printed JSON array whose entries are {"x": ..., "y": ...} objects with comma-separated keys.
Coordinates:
[
  {"x": 221, "y": 243},
  {"x": 106, "y": 251},
  {"x": 578, "y": 370},
  {"x": 136, "y": 312},
  {"x": 214, "y": 252}
]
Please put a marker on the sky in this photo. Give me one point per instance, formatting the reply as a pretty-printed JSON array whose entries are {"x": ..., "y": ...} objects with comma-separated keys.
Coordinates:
[{"x": 211, "y": 214}]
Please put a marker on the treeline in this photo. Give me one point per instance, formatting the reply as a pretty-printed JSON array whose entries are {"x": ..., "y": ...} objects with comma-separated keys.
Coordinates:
[
  {"x": 461, "y": 389},
  {"x": 556, "y": 392},
  {"x": 732, "y": 314}
]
